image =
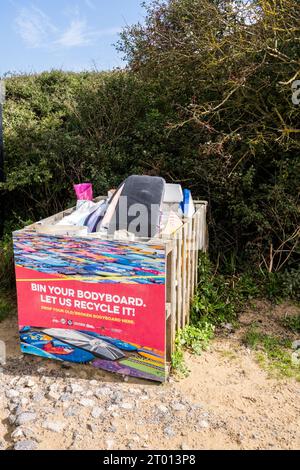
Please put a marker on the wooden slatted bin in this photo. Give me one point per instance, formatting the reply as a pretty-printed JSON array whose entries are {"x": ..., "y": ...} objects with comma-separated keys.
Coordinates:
[{"x": 109, "y": 303}]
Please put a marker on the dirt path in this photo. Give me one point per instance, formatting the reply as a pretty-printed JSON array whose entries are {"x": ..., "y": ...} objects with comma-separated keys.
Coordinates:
[{"x": 227, "y": 402}]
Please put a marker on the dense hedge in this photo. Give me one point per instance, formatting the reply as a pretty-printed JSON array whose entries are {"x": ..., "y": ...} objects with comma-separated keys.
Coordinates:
[
  {"x": 213, "y": 112},
  {"x": 226, "y": 70},
  {"x": 63, "y": 128}
]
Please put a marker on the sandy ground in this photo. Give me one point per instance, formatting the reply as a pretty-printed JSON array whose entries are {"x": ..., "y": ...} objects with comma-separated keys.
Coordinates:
[{"x": 226, "y": 402}]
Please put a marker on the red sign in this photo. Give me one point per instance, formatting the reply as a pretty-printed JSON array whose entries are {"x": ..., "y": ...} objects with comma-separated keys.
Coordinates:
[
  {"x": 129, "y": 311},
  {"x": 93, "y": 301}
]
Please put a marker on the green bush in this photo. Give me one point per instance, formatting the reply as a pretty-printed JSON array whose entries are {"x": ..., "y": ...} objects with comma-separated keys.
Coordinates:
[
  {"x": 6, "y": 307},
  {"x": 7, "y": 277},
  {"x": 283, "y": 285},
  {"x": 220, "y": 298},
  {"x": 223, "y": 75},
  {"x": 292, "y": 322},
  {"x": 194, "y": 338},
  {"x": 64, "y": 128}
]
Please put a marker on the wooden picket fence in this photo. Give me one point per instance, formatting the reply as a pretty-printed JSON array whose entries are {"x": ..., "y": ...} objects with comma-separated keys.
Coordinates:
[{"x": 182, "y": 271}]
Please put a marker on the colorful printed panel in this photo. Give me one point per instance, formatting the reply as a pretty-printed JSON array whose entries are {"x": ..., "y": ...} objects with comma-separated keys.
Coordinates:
[
  {"x": 90, "y": 260},
  {"x": 93, "y": 301}
]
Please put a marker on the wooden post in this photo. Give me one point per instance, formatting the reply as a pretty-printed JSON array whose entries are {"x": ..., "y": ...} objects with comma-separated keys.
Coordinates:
[
  {"x": 184, "y": 276},
  {"x": 179, "y": 235},
  {"x": 189, "y": 269}
]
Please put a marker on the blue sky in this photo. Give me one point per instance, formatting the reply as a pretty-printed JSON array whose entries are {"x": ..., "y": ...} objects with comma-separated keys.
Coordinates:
[{"x": 37, "y": 35}]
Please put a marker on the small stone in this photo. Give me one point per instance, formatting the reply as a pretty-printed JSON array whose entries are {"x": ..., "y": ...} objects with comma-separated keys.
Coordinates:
[
  {"x": 29, "y": 433},
  {"x": 112, "y": 429},
  {"x": 169, "y": 432},
  {"x": 296, "y": 344},
  {"x": 66, "y": 404},
  {"x": 11, "y": 419},
  {"x": 102, "y": 392},
  {"x": 227, "y": 326},
  {"x": 97, "y": 412},
  {"x": 185, "y": 446},
  {"x": 92, "y": 427},
  {"x": 109, "y": 444},
  {"x": 197, "y": 406},
  {"x": 24, "y": 401},
  {"x": 25, "y": 445},
  {"x": 76, "y": 388},
  {"x": 17, "y": 407},
  {"x": 39, "y": 396},
  {"x": 144, "y": 397},
  {"x": 29, "y": 383},
  {"x": 77, "y": 436},
  {"x": 65, "y": 397},
  {"x": 17, "y": 434},
  {"x": 53, "y": 395},
  {"x": 127, "y": 406},
  {"x": 113, "y": 408},
  {"x": 178, "y": 407},
  {"x": 12, "y": 394},
  {"x": 25, "y": 417},
  {"x": 135, "y": 391},
  {"x": 162, "y": 409},
  {"x": 71, "y": 411},
  {"x": 203, "y": 424},
  {"x": 87, "y": 402},
  {"x": 54, "y": 426},
  {"x": 117, "y": 397}
]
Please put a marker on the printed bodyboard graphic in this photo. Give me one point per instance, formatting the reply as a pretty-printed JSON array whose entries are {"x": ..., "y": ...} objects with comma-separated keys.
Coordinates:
[{"x": 92, "y": 301}]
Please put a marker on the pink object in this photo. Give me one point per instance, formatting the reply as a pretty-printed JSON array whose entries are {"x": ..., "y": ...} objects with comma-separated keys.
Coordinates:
[{"x": 84, "y": 191}]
